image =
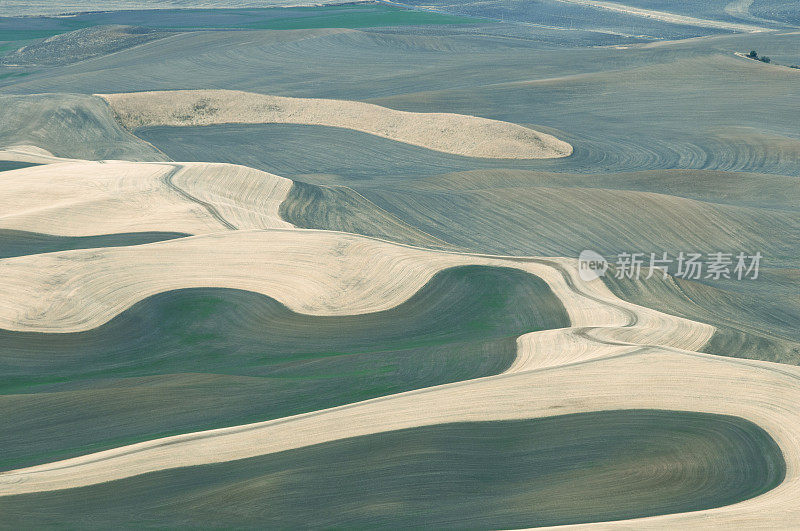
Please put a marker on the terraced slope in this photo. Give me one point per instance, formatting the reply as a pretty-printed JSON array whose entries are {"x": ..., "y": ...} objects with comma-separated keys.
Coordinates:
[
  {"x": 501, "y": 474},
  {"x": 194, "y": 359}
]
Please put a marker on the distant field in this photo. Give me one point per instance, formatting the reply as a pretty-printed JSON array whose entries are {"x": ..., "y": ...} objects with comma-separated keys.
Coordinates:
[
  {"x": 719, "y": 10},
  {"x": 568, "y": 16},
  {"x": 356, "y": 16},
  {"x": 48, "y": 7},
  {"x": 781, "y": 10},
  {"x": 337, "y": 16}
]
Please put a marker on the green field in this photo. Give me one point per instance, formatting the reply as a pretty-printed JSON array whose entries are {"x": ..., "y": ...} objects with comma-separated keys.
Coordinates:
[
  {"x": 7, "y": 165},
  {"x": 482, "y": 475},
  {"x": 21, "y": 243},
  {"x": 202, "y": 358}
]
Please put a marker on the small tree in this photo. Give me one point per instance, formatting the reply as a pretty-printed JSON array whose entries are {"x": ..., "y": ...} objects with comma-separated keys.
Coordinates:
[
  {"x": 765, "y": 59},
  {"x": 753, "y": 54}
]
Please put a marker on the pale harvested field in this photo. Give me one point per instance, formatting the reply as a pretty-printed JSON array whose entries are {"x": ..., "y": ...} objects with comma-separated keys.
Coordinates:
[
  {"x": 91, "y": 198},
  {"x": 312, "y": 272},
  {"x": 450, "y": 133}
]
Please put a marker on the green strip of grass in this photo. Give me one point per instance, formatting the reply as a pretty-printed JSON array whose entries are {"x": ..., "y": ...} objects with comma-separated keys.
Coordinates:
[
  {"x": 342, "y": 16},
  {"x": 23, "y": 34},
  {"x": 21, "y": 243},
  {"x": 13, "y": 75}
]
